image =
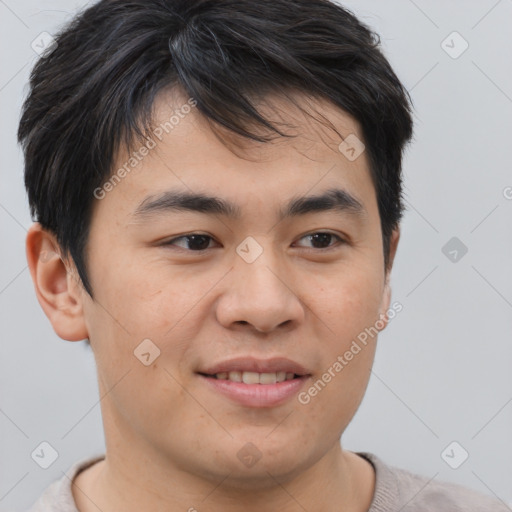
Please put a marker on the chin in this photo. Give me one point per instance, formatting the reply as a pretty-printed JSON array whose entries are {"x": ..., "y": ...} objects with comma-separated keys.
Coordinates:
[
  {"x": 263, "y": 476},
  {"x": 252, "y": 469}
]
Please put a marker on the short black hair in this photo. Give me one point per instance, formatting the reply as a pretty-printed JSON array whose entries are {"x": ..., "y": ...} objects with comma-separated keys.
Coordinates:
[{"x": 94, "y": 92}]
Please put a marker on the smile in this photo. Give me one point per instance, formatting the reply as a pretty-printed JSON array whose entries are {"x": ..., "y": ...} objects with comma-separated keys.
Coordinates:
[
  {"x": 254, "y": 377},
  {"x": 256, "y": 390}
]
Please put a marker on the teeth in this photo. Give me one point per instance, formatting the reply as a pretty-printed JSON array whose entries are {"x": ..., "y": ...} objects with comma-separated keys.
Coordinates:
[
  {"x": 267, "y": 378},
  {"x": 254, "y": 377},
  {"x": 235, "y": 376},
  {"x": 250, "y": 378}
]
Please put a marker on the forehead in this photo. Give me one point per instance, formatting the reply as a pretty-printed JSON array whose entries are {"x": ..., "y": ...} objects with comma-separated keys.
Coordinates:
[
  {"x": 317, "y": 124},
  {"x": 184, "y": 154}
]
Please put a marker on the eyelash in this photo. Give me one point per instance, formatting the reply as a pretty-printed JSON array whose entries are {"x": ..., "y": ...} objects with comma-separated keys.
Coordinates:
[{"x": 340, "y": 241}]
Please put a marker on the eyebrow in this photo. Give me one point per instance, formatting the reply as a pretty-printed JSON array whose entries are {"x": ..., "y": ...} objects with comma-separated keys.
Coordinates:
[{"x": 334, "y": 199}]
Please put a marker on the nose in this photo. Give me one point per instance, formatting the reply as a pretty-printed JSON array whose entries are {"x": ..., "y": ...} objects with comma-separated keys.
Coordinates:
[{"x": 260, "y": 294}]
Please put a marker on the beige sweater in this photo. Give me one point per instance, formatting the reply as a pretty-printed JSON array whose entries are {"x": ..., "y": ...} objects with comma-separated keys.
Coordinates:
[{"x": 396, "y": 490}]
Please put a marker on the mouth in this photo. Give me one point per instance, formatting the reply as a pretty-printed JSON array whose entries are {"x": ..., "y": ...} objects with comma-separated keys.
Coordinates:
[
  {"x": 276, "y": 369},
  {"x": 253, "y": 377},
  {"x": 256, "y": 383}
]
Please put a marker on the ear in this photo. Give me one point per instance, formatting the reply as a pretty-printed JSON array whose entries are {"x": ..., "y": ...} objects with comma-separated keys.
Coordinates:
[
  {"x": 57, "y": 287},
  {"x": 386, "y": 296}
]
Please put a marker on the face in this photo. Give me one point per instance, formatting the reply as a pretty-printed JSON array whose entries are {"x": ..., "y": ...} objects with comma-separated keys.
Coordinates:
[{"x": 260, "y": 285}]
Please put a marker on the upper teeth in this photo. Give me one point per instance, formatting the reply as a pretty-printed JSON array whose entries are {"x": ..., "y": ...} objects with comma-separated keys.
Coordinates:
[{"x": 255, "y": 378}]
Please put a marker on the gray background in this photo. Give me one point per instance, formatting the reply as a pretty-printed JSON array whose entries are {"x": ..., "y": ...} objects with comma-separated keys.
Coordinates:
[{"x": 442, "y": 371}]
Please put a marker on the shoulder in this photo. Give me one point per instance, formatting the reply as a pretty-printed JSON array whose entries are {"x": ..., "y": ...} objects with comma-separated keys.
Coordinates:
[
  {"x": 426, "y": 494},
  {"x": 58, "y": 496},
  {"x": 399, "y": 489}
]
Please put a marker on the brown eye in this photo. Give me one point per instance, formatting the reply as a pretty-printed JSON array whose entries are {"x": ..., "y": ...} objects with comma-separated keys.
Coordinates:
[
  {"x": 322, "y": 240},
  {"x": 194, "y": 242}
]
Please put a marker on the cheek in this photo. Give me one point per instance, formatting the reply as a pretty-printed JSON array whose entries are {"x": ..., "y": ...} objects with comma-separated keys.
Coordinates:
[
  {"x": 347, "y": 306},
  {"x": 347, "y": 303},
  {"x": 148, "y": 300},
  {"x": 133, "y": 306},
  {"x": 334, "y": 395}
]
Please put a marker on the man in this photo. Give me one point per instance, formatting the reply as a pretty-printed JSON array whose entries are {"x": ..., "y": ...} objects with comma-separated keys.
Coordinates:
[{"x": 217, "y": 190}]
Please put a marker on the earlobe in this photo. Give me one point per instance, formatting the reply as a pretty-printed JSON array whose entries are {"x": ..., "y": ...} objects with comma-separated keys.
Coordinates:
[
  {"x": 57, "y": 289},
  {"x": 384, "y": 306}
]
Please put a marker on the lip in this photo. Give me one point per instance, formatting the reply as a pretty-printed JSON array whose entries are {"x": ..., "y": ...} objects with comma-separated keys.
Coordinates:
[
  {"x": 257, "y": 395},
  {"x": 252, "y": 364}
]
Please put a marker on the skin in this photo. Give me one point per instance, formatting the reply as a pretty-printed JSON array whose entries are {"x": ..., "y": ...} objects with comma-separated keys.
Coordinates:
[{"x": 171, "y": 441}]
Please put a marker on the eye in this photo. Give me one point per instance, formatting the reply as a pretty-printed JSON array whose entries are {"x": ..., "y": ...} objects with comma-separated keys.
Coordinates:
[
  {"x": 322, "y": 240},
  {"x": 193, "y": 242}
]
